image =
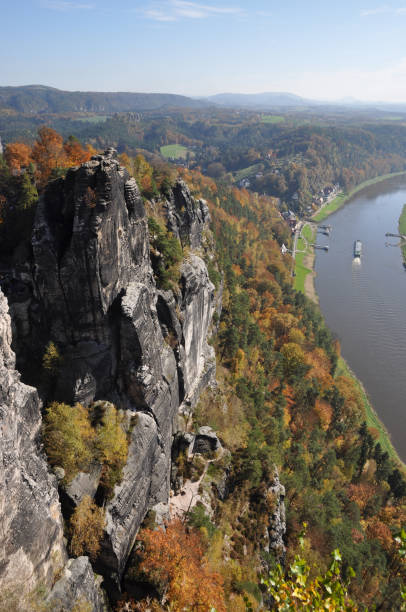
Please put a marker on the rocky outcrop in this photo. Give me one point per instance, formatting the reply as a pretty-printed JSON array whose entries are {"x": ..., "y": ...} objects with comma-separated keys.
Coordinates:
[
  {"x": 77, "y": 589},
  {"x": 92, "y": 293},
  {"x": 32, "y": 549},
  {"x": 33, "y": 553},
  {"x": 187, "y": 217},
  {"x": 276, "y": 528}
]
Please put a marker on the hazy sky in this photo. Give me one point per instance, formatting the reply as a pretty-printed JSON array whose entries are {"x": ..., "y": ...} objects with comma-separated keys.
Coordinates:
[{"x": 318, "y": 48}]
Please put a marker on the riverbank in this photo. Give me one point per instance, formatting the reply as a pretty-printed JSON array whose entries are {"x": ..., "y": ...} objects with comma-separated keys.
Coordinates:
[
  {"x": 372, "y": 419},
  {"x": 304, "y": 262},
  {"x": 381, "y": 433},
  {"x": 402, "y": 230},
  {"x": 342, "y": 198}
]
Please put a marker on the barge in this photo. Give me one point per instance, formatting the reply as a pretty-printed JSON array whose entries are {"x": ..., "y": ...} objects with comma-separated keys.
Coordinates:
[{"x": 357, "y": 248}]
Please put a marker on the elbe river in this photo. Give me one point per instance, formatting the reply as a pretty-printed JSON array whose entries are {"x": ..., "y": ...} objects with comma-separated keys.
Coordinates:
[{"x": 364, "y": 303}]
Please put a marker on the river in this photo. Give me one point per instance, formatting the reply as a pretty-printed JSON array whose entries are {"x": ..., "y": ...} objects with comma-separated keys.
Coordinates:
[{"x": 364, "y": 303}]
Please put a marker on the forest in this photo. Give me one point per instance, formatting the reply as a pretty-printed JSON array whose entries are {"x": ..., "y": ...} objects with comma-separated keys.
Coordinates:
[
  {"x": 285, "y": 404},
  {"x": 293, "y": 156}
]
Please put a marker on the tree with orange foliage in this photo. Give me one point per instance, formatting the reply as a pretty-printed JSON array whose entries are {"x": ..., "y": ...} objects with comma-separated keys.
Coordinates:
[
  {"x": 48, "y": 153},
  {"x": 75, "y": 154},
  {"x": 173, "y": 558},
  {"x": 18, "y": 155}
]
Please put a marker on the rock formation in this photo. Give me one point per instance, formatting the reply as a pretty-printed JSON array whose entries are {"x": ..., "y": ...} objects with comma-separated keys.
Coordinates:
[
  {"x": 32, "y": 552},
  {"x": 276, "y": 528},
  {"x": 32, "y": 548},
  {"x": 91, "y": 291}
]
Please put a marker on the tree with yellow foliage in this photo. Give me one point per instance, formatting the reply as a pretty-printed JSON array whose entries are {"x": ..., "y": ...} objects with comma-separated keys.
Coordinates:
[{"x": 86, "y": 526}]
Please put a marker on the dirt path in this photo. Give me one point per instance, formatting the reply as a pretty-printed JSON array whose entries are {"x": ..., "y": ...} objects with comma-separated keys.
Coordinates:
[
  {"x": 188, "y": 496},
  {"x": 310, "y": 291}
]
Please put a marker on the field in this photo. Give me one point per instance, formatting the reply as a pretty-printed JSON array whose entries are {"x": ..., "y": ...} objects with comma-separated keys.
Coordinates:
[
  {"x": 246, "y": 172},
  {"x": 272, "y": 119},
  {"x": 93, "y": 119},
  {"x": 174, "y": 151},
  {"x": 301, "y": 271}
]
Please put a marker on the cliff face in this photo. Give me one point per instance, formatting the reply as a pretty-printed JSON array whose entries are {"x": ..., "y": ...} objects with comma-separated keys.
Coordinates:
[
  {"x": 32, "y": 552},
  {"x": 92, "y": 292},
  {"x": 32, "y": 548}
]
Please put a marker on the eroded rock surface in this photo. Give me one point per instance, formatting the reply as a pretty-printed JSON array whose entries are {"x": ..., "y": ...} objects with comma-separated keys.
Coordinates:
[
  {"x": 32, "y": 548},
  {"x": 92, "y": 292},
  {"x": 276, "y": 530},
  {"x": 77, "y": 589}
]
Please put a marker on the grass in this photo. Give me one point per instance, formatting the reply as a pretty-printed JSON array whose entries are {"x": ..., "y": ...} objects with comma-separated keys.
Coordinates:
[
  {"x": 393, "y": 118},
  {"x": 272, "y": 119},
  {"x": 402, "y": 230},
  {"x": 174, "y": 151},
  {"x": 301, "y": 271},
  {"x": 371, "y": 417},
  {"x": 246, "y": 172},
  {"x": 93, "y": 119},
  {"x": 344, "y": 197}
]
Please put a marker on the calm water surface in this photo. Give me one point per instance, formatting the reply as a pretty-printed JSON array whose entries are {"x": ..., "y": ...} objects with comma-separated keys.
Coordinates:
[{"x": 364, "y": 303}]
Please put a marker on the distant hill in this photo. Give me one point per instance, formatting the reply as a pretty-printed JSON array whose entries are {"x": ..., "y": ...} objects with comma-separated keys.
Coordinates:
[
  {"x": 42, "y": 99},
  {"x": 288, "y": 100},
  {"x": 259, "y": 99}
]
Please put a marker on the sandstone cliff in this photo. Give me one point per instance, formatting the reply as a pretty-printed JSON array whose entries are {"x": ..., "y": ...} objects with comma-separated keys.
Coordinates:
[
  {"x": 32, "y": 548},
  {"x": 32, "y": 552},
  {"x": 90, "y": 289}
]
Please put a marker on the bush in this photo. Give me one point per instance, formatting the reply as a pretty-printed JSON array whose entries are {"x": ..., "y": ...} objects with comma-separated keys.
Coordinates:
[
  {"x": 68, "y": 438},
  {"x": 166, "y": 255},
  {"x": 112, "y": 446},
  {"x": 51, "y": 360},
  {"x": 86, "y": 526},
  {"x": 73, "y": 442}
]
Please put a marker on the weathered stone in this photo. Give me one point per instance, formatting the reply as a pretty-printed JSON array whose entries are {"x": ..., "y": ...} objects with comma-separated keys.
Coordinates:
[
  {"x": 77, "y": 587},
  {"x": 84, "y": 484},
  {"x": 187, "y": 217},
  {"x": 145, "y": 482},
  {"x": 197, "y": 307},
  {"x": 59, "y": 472},
  {"x": 32, "y": 548},
  {"x": 206, "y": 441},
  {"x": 93, "y": 294},
  {"x": 276, "y": 529},
  {"x": 161, "y": 512}
]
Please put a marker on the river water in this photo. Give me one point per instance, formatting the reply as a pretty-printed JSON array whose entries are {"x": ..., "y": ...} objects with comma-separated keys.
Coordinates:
[{"x": 364, "y": 303}]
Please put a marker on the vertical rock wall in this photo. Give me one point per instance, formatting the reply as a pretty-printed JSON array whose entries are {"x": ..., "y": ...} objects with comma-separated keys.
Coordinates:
[
  {"x": 92, "y": 292},
  {"x": 31, "y": 530}
]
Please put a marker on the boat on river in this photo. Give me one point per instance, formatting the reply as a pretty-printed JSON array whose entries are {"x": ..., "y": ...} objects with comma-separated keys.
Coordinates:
[{"x": 357, "y": 248}]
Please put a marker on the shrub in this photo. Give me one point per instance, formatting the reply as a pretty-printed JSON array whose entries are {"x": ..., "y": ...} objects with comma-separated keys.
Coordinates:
[
  {"x": 86, "y": 526},
  {"x": 72, "y": 442},
  {"x": 51, "y": 360},
  {"x": 112, "y": 446},
  {"x": 68, "y": 438},
  {"x": 166, "y": 255}
]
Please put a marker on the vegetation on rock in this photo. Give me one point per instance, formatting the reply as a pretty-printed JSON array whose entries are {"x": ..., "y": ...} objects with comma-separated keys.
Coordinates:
[
  {"x": 76, "y": 436},
  {"x": 86, "y": 528}
]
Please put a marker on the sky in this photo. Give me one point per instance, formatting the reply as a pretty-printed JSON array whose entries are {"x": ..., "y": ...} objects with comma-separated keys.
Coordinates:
[{"x": 316, "y": 48}]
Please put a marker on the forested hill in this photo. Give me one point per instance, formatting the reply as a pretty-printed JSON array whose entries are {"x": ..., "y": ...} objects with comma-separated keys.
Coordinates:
[{"x": 42, "y": 99}]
